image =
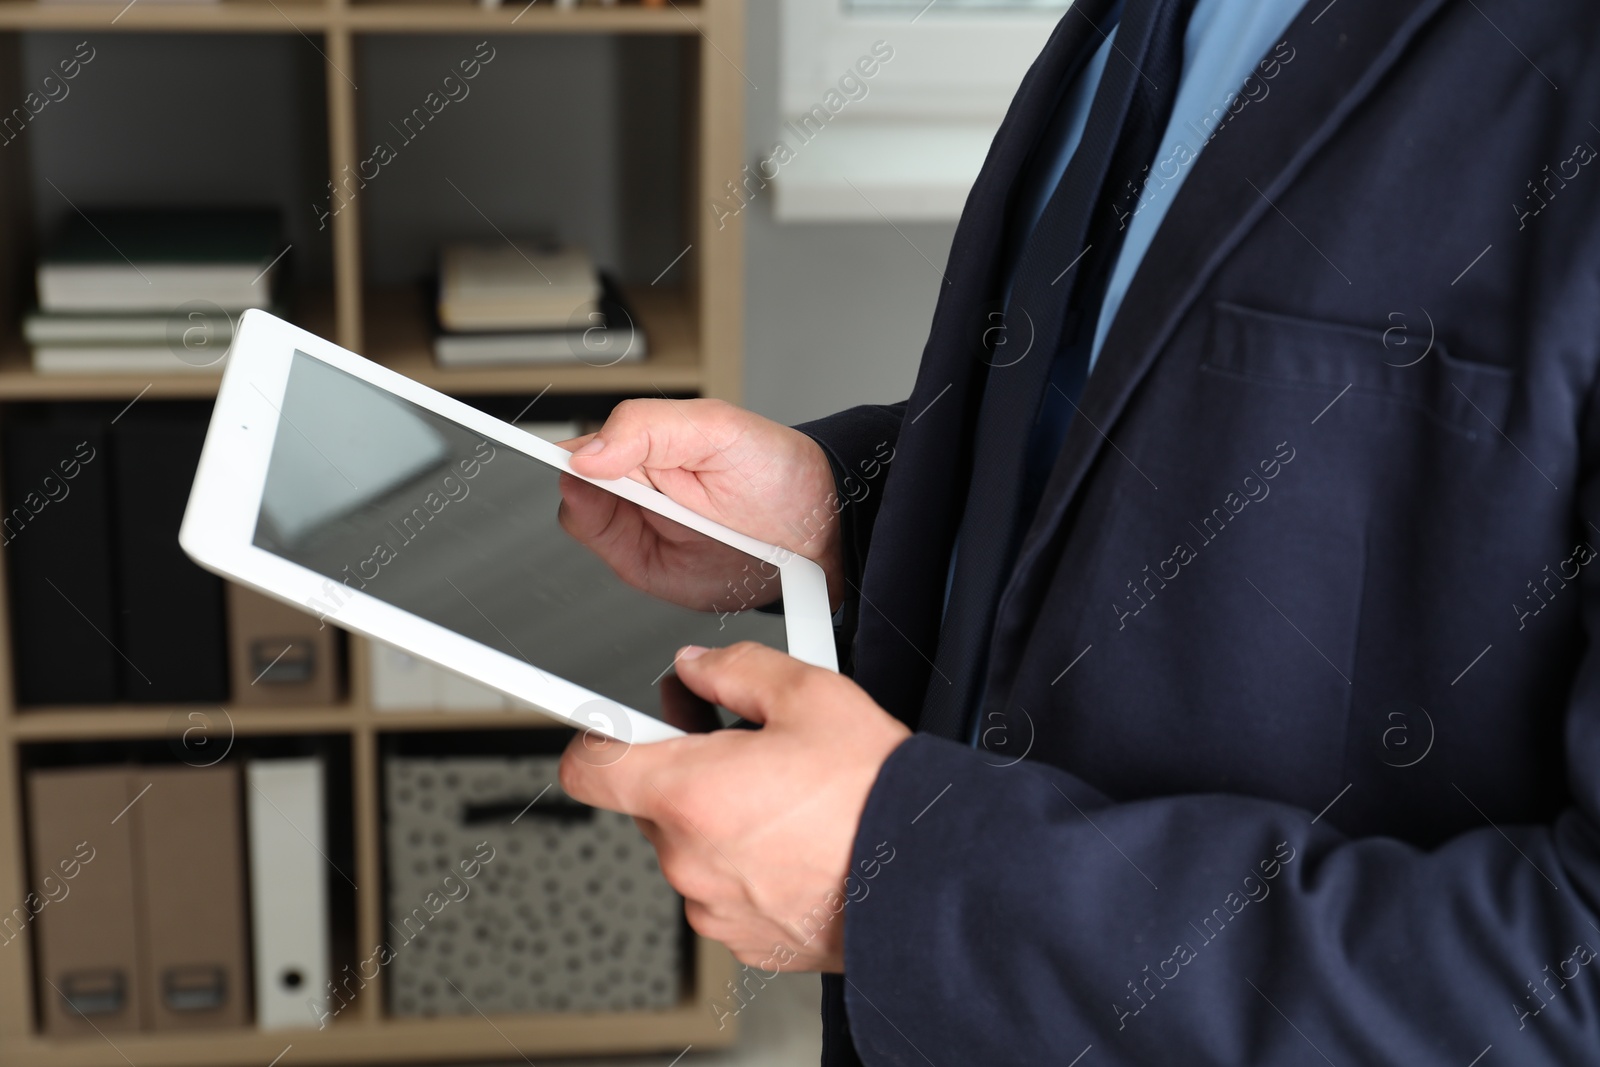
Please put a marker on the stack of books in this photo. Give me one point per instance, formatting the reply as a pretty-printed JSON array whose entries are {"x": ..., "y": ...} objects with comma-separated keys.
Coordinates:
[
  {"x": 134, "y": 292},
  {"x": 521, "y": 302}
]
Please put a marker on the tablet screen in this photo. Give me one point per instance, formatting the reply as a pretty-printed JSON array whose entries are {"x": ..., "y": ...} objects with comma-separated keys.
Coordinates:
[{"x": 402, "y": 503}]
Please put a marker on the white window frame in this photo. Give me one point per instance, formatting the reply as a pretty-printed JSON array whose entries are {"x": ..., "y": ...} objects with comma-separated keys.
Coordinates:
[
  {"x": 910, "y": 148},
  {"x": 949, "y": 64}
]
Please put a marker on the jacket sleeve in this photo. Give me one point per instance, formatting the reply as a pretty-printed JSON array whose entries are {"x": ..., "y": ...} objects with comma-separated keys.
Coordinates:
[
  {"x": 860, "y": 446},
  {"x": 1014, "y": 914}
]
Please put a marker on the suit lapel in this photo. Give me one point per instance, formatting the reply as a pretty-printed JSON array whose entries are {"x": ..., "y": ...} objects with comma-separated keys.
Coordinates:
[
  {"x": 1342, "y": 53},
  {"x": 902, "y": 590}
]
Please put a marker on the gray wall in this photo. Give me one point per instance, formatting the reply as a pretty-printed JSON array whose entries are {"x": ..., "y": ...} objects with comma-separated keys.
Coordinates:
[
  {"x": 570, "y": 136},
  {"x": 835, "y": 314},
  {"x": 182, "y": 120}
]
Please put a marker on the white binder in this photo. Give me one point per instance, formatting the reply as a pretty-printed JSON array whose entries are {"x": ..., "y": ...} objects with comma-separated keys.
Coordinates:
[{"x": 289, "y": 892}]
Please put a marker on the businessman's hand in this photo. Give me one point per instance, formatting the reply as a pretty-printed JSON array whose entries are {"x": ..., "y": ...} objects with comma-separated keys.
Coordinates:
[
  {"x": 755, "y": 827},
  {"x": 751, "y": 474}
]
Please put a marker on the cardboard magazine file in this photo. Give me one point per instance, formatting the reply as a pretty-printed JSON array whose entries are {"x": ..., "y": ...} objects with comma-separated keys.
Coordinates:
[
  {"x": 188, "y": 830},
  {"x": 82, "y": 901},
  {"x": 278, "y": 655}
]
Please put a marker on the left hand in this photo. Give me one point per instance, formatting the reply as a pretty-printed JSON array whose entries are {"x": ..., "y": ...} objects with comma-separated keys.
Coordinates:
[{"x": 754, "y": 827}]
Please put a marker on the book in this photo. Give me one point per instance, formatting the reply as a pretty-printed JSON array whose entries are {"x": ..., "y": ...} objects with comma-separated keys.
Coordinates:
[
  {"x": 121, "y": 359},
  {"x": 134, "y": 328},
  {"x": 509, "y": 286},
  {"x": 613, "y": 336},
  {"x": 158, "y": 260}
]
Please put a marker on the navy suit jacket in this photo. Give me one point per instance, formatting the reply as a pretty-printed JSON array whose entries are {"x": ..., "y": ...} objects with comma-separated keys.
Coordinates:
[{"x": 1291, "y": 731}]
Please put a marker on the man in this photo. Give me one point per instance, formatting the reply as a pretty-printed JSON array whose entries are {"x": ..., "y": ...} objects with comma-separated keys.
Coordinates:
[{"x": 1230, "y": 559}]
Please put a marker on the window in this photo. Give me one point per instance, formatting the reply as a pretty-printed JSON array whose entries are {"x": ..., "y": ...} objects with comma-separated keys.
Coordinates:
[
  {"x": 889, "y": 105},
  {"x": 1056, "y": 6}
]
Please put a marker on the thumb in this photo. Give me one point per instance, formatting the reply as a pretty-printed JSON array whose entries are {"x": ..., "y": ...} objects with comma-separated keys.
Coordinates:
[
  {"x": 748, "y": 679},
  {"x": 659, "y": 435}
]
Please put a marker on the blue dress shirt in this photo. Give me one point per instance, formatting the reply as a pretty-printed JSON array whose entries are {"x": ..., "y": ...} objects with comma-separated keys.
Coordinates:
[{"x": 1228, "y": 65}]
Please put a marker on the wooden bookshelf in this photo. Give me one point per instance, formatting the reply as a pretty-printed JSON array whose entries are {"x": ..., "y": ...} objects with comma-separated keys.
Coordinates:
[
  {"x": 312, "y": 16},
  {"x": 694, "y": 333},
  {"x": 368, "y": 1040}
]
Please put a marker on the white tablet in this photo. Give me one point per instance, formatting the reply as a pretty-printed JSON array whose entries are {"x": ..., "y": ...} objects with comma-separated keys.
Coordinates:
[{"x": 387, "y": 508}]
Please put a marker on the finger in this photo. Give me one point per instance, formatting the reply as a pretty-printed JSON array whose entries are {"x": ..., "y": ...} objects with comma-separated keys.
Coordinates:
[
  {"x": 683, "y": 708},
  {"x": 659, "y": 434},
  {"x": 748, "y": 679},
  {"x": 578, "y": 442},
  {"x": 651, "y": 832},
  {"x": 703, "y": 921},
  {"x": 572, "y": 444},
  {"x": 587, "y": 511},
  {"x": 612, "y": 528},
  {"x": 617, "y": 782},
  {"x": 632, "y": 541}
]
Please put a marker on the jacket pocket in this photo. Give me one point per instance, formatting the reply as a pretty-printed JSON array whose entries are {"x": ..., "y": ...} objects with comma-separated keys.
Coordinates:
[{"x": 1464, "y": 397}]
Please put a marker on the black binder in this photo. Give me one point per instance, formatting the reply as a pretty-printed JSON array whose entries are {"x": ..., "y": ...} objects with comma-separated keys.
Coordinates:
[
  {"x": 170, "y": 617},
  {"x": 56, "y": 532}
]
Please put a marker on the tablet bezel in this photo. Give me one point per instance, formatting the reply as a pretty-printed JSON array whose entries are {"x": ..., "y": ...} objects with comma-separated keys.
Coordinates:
[{"x": 219, "y": 528}]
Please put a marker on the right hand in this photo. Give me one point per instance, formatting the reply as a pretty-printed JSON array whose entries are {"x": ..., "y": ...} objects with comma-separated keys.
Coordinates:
[{"x": 748, "y": 473}]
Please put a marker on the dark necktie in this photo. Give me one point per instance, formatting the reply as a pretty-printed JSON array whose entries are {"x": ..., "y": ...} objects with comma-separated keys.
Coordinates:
[{"x": 1051, "y": 314}]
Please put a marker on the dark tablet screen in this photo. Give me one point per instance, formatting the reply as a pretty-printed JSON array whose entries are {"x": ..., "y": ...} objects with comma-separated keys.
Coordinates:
[{"x": 384, "y": 496}]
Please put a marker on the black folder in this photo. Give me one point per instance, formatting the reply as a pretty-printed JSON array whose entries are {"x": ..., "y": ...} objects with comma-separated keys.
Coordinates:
[
  {"x": 56, "y": 531},
  {"x": 170, "y": 611}
]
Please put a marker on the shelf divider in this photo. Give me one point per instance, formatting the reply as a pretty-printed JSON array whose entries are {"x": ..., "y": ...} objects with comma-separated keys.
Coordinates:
[
  {"x": 16, "y": 978},
  {"x": 720, "y": 132},
  {"x": 368, "y": 813},
  {"x": 342, "y": 162}
]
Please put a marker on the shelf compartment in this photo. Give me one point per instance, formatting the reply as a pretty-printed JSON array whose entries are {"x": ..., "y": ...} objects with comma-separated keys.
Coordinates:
[
  {"x": 399, "y": 334},
  {"x": 425, "y": 719},
  {"x": 19, "y": 381},
  {"x": 312, "y": 16},
  {"x": 435, "y": 1040},
  {"x": 128, "y": 721},
  {"x": 226, "y": 16},
  {"x": 462, "y": 16}
]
